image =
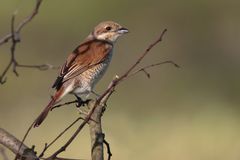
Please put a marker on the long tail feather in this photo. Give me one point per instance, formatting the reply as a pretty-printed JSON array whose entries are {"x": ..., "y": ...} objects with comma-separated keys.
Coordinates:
[{"x": 44, "y": 113}]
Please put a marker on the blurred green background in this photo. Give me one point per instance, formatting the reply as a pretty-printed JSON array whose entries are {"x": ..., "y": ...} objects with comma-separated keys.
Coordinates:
[{"x": 178, "y": 114}]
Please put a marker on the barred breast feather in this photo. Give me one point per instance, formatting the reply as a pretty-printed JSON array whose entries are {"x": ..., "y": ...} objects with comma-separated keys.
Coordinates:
[{"x": 86, "y": 81}]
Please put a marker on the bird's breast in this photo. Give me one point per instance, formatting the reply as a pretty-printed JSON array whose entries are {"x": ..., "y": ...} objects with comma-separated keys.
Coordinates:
[
  {"x": 95, "y": 73},
  {"x": 88, "y": 79}
]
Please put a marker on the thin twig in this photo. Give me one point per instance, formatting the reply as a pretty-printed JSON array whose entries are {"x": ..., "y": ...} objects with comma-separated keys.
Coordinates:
[
  {"x": 63, "y": 104},
  {"x": 143, "y": 69},
  {"x": 28, "y": 19},
  {"x": 108, "y": 149},
  {"x": 63, "y": 148},
  {"x": 15, "y": 37},
  {"x": 13, "y": 46},
  {"x": 41, "y": 67},
  {"x": 24, "y": 138},
  {"x": 143, "y": 55},
  {"x": 51, "y": 143}
]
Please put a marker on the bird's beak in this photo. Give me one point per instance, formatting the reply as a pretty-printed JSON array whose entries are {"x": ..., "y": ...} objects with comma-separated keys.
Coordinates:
[{"x": 122, "y": 30}]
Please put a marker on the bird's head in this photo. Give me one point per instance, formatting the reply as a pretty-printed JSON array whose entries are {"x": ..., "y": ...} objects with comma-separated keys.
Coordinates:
[{"x": 109, "y": 31}]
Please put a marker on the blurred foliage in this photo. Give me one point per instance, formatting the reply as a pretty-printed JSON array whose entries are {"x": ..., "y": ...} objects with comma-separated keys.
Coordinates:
[{"x": 178, "y": 114}]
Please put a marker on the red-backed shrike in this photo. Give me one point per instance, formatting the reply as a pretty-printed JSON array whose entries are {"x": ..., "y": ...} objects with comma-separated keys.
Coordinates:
[{"x": 86, "y": 65}]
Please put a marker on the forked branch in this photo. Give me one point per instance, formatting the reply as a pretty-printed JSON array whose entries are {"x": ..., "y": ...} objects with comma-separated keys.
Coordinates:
[
  {"x": 28, "y": 19},
  {"x": 15, "y": 38}
]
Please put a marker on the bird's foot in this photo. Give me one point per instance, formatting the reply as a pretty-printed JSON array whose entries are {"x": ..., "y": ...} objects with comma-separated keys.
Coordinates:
[
  {"x": 82, "y": 102},
  {"x": 84, "y": 109}
]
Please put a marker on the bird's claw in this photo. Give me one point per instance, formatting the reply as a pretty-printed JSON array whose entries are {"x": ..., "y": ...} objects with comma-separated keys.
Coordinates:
[{"x": 82, "y": 103}]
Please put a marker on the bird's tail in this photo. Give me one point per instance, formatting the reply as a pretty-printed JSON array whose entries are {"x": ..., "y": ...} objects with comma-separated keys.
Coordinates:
[{"x": 44, "y": 113}]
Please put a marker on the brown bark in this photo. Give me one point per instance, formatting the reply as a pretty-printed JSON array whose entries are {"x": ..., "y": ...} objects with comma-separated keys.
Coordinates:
[{"x": 97, "y": 137}]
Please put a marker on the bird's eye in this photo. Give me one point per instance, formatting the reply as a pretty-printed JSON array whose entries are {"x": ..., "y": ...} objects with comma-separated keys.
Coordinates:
[{"x": 108, "y": 28}]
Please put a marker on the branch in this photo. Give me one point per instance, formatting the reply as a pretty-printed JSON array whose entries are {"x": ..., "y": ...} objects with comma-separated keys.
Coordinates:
[
  {"x": 28, "y": 19},
  {"x": 42, "y": 67},
  {"x": 13, "y": 46},
  {"x": 143, "y": 55},
  {"x": 97, "y": 137},
  {"x": 22, "y": 142},
  {"x": 63, "y": 104},
  {"x": 13, "y": 144},
  {"x": 105, "y": 96},
  {"x": 143, "y": 69},
  {"x": 51, "y": 143},
  {"x": 64, "y": 147},
  {"x": 14, "y": 36}
]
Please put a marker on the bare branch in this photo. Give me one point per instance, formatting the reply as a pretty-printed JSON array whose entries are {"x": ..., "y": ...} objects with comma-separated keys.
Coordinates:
[
  {"x": 22, "y": 142},
  {"x": 143, "y": 69},
  {"x": 64, "y": 147},
  {"x": 14, "y": 36},
  {"x": 28, "y": 19},
  {"x": 51, "y": 143},
  {"x": 97, "y": 137},
  {"x": 63, "y": 104},
  {"x": 105, "y": 96},
  {"x": 25, "y": 153},
  {"x": 13, "y": 46},
  {"x": 13, "y": 144},
  {"x": 143, "y": 55},
  {"x": 41, "y": 67}
]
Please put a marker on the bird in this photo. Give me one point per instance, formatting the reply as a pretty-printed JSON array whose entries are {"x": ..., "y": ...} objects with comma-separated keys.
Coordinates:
[{"x": 85, "y": 65}]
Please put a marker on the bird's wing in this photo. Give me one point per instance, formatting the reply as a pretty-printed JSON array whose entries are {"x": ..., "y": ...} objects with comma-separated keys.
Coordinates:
[{"x": 85, "y": 56}]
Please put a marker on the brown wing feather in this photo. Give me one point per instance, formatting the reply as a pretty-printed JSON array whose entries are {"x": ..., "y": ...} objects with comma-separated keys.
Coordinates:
[{"x": 85, "y": 56}]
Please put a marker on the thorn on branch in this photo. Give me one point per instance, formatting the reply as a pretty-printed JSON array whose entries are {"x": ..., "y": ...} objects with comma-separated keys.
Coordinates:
[
  {"x": 3, "y": 80},
  {"x": 44, "y": 150},
  {"x": 147, "y": 74},
  {"x": 108, "y": 149},
  {"x": 15, "y": 68}
]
